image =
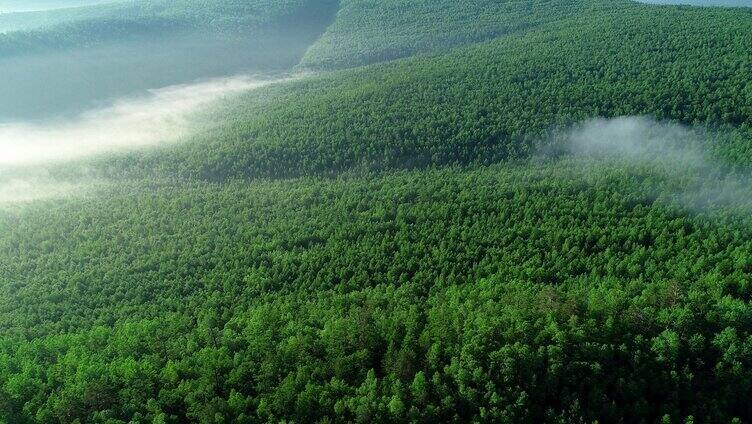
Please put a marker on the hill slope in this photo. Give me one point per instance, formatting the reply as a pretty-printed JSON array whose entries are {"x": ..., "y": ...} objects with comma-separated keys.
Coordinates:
[
  {"x": 491, "y": 101},
  {"x": 84, "y": 57},
  {"x": 367, "y": 31}
]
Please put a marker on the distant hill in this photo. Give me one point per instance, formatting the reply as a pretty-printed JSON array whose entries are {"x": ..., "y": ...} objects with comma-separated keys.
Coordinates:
[
  {"x": 36, "y": 5},
  {"x": 493, "y": 100},
  {"x": 368, "y": 31},
  {"x": 76, "y": 58},
  {"x": 46, "y": 18}
]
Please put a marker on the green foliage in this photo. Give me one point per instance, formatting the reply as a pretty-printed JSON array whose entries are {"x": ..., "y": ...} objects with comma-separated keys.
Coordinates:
[
  {"x": 492, "y": 101},
  {"x": 367, "y": 31},
  {"x": 560, "y": 291}
]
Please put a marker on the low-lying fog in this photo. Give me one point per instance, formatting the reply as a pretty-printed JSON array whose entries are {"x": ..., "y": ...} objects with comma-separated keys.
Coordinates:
[
  {"x": 693, "y": 178},
  {"x": 159, "y": 118}
]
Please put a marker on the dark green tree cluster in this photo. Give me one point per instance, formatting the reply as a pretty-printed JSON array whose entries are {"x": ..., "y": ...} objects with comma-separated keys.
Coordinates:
[{"x": 562, "y": 292}]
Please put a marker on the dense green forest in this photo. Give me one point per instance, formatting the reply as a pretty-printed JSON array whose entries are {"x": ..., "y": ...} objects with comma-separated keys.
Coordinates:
[
  {"x": 367, "y": 31},
  {"x": 526, "y": 212},
  {"x": 705, "y": 3},
  {"x": 523, "y": 292},
  {"x": 488, "y": 102}
]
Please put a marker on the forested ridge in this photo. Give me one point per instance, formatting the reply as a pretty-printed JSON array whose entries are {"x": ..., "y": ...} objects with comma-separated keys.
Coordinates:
[
  {"x": 492, "y": 101},
  {"x": 368, "y": 31},
  {"x": 428, "y": 239}
]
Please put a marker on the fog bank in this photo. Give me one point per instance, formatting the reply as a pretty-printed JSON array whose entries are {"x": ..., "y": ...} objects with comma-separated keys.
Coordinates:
[
  {"x": 162, "y": 116},
  {"x": 28, "y": 190},
  {"x": 673, "y": 153},
  {"x": 636, "y": 138}
]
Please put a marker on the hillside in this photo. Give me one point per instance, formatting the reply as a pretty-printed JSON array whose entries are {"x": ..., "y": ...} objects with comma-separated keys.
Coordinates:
[
  {"x": 491, "y": 101},
  {"x": 279, "y": 297},
  {"x": 36, "y": 19},
  {"x": 76, "y": 59},
  {"x": 368, "y": 31},
  {"x": 515, "y": 211}
]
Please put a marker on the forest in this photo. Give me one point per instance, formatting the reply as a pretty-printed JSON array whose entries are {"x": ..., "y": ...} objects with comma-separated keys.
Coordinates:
[
  {"x": 463, "y": 211},
  {"x": 441, "y": 110}
]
